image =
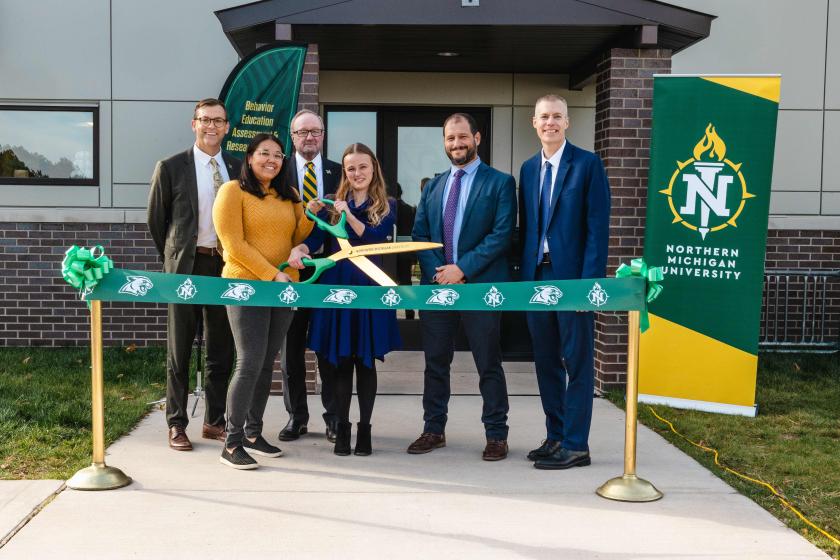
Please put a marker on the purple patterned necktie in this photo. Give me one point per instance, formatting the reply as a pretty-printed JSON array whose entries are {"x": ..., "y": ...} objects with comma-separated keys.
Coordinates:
[{"x": 449, "y": 212}]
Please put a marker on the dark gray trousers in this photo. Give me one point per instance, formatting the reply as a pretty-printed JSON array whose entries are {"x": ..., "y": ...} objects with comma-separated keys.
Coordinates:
[
  {"x": 180, "y": 332},
  {"x": 258, "y": 333}
]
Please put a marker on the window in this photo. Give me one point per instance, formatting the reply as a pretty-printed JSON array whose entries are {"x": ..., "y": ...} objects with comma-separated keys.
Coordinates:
[
  {"x": 49, "y": 145},
  {"x": 349, "y": 127}
]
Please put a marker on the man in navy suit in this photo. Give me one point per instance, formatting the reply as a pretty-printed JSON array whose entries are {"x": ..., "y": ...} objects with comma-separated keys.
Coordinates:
[
  {"x": 564, "y": 205},
  {"x": 471, "y": 210}
]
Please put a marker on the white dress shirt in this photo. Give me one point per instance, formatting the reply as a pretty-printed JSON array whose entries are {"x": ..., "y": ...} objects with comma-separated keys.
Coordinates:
[
  {"x": 207, "y": 195},
  {"x": 554, "y": 160}
]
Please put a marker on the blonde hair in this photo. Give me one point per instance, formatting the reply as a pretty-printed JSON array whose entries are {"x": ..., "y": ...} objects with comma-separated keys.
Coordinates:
[
  {"x": 377, "y": 192},
  {"x": 552, "y": 97}
]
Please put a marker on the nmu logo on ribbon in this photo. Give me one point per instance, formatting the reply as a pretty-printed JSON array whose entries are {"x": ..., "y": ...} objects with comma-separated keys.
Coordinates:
[{"x": 699, "y": 192}]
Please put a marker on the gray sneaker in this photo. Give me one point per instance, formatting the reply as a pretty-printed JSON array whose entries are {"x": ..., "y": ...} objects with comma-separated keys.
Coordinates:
[
  {"x": 261, "y": 447},
  {"x": 238, "y": 459}
]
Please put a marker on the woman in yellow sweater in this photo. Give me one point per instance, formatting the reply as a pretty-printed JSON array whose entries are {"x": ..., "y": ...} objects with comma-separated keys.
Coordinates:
[{"x": 258, "y": 219}]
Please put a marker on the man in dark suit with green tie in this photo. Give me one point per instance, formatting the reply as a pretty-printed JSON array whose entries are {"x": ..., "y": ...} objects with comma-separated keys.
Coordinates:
[{"x": 180, "y": 218}]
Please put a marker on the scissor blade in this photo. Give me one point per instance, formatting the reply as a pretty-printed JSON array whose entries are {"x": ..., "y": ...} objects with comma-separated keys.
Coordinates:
[
  {"x": 375, "y": 273},
  {"x": 388, "y": 248}
]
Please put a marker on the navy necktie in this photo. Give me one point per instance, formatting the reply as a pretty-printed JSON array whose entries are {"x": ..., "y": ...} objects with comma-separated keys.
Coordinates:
[
  {"x": 449, "y": 213},
  {"x": 545, "y": 205}
]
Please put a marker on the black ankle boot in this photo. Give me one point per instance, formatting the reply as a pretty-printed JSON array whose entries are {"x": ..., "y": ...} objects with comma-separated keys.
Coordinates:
[
  {"x": 342, "y": 439},
  {"x": 363, "y": 445}
]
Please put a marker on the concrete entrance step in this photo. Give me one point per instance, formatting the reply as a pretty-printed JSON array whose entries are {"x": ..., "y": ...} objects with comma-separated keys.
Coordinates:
[{"x": 402, "y": 374}]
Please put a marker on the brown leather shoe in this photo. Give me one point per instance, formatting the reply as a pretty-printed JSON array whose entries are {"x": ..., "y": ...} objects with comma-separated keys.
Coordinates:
[
  {"x": 495, "y": 450},
  {"x": 427, "y": 442},
  {"x": 209, "y": 431},
  {"x": 178, "y": 439}
]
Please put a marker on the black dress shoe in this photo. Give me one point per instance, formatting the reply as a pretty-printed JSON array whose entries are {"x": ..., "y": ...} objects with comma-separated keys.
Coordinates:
[
  {"x": 331, "y": 429},
  {"x": 564, "y": 458},
  {"x": 548, "y": 447},
  {"x": 293, "y": 430}
]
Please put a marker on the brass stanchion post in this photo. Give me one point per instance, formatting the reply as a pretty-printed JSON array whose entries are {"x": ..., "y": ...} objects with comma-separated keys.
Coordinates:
[
  {"x": 629, "y": 487},
  {"x": 98, "y": 476}
]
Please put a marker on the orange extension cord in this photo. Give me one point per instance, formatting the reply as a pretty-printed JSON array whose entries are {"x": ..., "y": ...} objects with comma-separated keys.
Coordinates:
[{"x": 775, "y": 492}]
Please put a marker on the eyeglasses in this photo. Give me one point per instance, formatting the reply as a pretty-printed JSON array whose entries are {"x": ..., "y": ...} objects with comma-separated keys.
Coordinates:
[
  {"x": 315, "y": 132},
  {"x": 218, "y": 122},
  {"x": 266, "y": 154}
]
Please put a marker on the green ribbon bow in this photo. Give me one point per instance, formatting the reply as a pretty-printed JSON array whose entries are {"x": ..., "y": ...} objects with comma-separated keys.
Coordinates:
[
  {"x": 653, "y": 275},
  {"x": 83, "y": 268}
]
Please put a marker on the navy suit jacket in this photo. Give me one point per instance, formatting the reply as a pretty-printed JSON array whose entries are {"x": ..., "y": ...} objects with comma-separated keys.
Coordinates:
[
  {"x": 486, "y": 229},
  {"x": 579, "y": 216}
]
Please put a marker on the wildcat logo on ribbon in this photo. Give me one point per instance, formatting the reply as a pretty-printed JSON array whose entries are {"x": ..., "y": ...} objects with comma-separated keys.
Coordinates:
[
  {"x": 239, "y": 291},
  {"x": 137, "y": 286},
  {"x": 707, "y": 192},
  {"x": 341, "y": 295},
  {"x": 444, "y": 296},
  {"x": 546, "y": 295}
]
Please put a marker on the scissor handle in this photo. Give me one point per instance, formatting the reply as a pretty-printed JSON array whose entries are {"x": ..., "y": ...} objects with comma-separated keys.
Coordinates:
[
  {"x": 337, "y": 229},
  {"x": 320, "y": 266}
]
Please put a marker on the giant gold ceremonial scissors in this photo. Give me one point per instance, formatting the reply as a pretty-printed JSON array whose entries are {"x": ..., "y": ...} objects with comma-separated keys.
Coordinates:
[{"x": 358, "y": 254}]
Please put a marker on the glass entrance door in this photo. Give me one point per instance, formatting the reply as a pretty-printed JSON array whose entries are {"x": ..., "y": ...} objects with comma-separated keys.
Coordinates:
[{"x": 408, "y": 142}]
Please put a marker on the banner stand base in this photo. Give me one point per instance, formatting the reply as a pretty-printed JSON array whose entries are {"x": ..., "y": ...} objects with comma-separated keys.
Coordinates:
[
  {"x": 703, "y": 406},
  {"x": 629, "y": 488},
  {"x": 99, "y": 476}
]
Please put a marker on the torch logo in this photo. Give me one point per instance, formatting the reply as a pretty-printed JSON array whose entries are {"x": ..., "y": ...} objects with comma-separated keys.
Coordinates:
[{"x": 707, "y": 192}]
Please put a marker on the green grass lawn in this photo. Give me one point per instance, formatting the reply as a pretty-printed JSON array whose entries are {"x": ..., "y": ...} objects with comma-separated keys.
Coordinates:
[
  {"x": 45, "y": 405},
  {"x": 793, "y": 443}
]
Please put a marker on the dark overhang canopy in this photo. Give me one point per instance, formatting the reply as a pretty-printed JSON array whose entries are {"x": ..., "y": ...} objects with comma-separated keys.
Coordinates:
[{"x": 525, "y": 36}]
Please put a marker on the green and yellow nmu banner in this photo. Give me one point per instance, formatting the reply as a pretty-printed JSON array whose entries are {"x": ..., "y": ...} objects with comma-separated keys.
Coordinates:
[{"x": 711, "y": 163}]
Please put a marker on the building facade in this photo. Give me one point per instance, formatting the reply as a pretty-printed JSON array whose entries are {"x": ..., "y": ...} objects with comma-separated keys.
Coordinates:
[{"x": 127, "y": 75}]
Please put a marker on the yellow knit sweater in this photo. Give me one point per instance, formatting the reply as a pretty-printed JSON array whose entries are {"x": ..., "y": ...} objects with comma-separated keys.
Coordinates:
[{"x": 257, "y": 234}]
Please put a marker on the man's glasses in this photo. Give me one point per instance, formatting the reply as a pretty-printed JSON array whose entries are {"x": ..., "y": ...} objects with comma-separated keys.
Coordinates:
[
  {"x": 218, "y": 122},
  {"x": 266, "y": 154},
  {"x": 315, "y": 132}
]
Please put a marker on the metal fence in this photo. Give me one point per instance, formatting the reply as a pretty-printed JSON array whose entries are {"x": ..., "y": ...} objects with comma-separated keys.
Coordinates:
[{"x": 800, "y": 311}]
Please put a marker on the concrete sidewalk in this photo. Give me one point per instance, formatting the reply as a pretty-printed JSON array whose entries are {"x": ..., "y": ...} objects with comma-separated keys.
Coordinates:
[{"x": 447, "y": 504}]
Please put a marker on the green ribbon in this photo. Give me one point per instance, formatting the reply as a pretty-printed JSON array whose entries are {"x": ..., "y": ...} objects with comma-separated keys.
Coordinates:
[
  {"x": 591, "y": 294},
  {"x": 93, "y": 273},
  {"x": 652, "y": 275},
  {"x": 83, "y": 268}
]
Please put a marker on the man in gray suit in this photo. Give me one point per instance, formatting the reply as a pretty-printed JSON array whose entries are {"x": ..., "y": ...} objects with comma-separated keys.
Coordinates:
[{"x": 183, "y": 189}]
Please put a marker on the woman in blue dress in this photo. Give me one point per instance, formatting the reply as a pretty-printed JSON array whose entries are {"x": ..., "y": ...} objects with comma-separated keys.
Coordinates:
[{"x": 348, "y": 339}]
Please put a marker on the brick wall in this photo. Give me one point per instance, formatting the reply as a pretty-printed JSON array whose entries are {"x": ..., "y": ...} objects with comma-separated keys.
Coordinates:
[
  {"x": 623, "y": 103},
  {"x": 40, "y": 309},
  {"x": 308, "y": 97}
]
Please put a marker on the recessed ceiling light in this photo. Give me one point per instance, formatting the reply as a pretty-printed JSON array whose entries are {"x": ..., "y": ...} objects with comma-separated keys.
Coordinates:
[{"x": 448, "y": 54}]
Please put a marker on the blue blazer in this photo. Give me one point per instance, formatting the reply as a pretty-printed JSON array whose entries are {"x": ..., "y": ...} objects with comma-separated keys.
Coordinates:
[
  {"x": 486, "y": 229},
  {"x": 579, "y": 217}
]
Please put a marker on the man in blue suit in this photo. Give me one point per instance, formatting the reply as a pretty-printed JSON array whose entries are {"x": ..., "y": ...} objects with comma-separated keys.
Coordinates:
[
  {"x": 471, "y": 210},
  {"x": 564, "y": 205}
]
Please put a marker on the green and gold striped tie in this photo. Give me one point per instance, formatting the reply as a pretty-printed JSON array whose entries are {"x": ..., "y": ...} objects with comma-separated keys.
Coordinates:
[{"x": 310, "y": 183}]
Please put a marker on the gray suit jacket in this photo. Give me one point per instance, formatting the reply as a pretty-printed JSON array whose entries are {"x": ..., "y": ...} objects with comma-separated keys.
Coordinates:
[{"x": 173, "y": 209}]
